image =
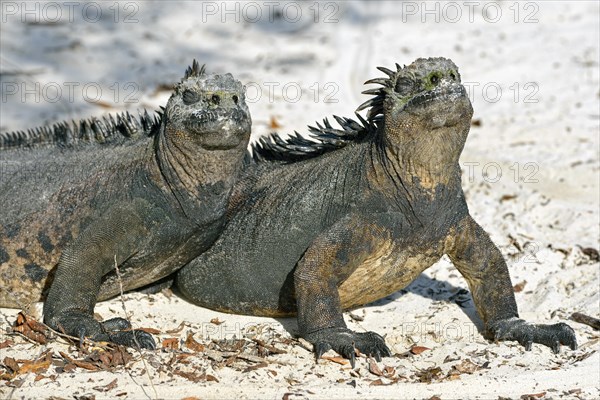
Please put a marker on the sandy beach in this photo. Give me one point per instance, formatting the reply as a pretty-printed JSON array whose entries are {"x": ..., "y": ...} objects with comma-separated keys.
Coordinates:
[{"x": 530, "y": 174}]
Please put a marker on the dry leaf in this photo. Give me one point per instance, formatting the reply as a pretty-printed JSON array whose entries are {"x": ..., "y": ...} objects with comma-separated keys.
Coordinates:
[
  {"x": 592, "y": 253},
  {"x": 192, "y": 344},
  {"x": 190, "y": 376},
  {"x": 374, "y": 368},
  {"x": 337, "y": 360},
  {"x": 519, "y": 287},
  {"x": 273, "y": 124},
  {"x": 389, "y": 371},
  {"x": 11, "y": 363},
  {"x": 78, "y": 363},
  {"x": 586, "y": 319},
  {"x": 30, "y": 328},
  {"x": 533, "y": 396},
  {"x": 429, "y": 374},
  {"x": 256, "y": 366},
  {"x": 418, "y": 349},
  {"x": 216, "y": 321},
  {"x": 170, "y": 343},
  {"x": 106, "y": 388},
  {"x": 506, "y": 197},
  {"x": 269, "y": 348},
  {"x": 35, "y": 366},
  {"x": 466, "y": 367},
  {"x": 178, "y": 329},
  {"x": 250, "y": 357},
  {"x": 6, "y": 343},
  {"x": 356, "y": 317}
]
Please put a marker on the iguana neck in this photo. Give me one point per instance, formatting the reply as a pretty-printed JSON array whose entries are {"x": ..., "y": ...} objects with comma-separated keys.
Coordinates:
[
  {"x": 200, "y": 179},
  {"x": 422, "y": 164}
]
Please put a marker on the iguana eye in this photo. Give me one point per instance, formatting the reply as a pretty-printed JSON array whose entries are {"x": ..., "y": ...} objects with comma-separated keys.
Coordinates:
[
  {"x": 215, "y": 99},
  {"x": 404, "y": 86},
  {"x": 190, "y": 97},
  {"x": 434, "y": 79}
]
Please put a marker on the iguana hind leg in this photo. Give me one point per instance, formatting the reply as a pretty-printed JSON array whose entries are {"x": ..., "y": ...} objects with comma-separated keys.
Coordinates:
[
  {"x": 481, "y": 263},
  {"x": 112, "y": 238},
  {"x": 331, "y": 258}
]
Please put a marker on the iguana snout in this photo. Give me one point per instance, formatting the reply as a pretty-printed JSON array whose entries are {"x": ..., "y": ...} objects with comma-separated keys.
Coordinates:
[
  {"x": 210, "y": 110},
  {"x": 221, "y": 128}
]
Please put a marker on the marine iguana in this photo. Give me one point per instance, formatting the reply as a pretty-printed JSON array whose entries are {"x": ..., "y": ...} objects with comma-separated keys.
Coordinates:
[
  {"x": 146, "y": 195},
  {"x": 320, "y": 226}
]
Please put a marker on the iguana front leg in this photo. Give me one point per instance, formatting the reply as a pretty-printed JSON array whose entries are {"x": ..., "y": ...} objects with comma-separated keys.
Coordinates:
[
  {"x": 481, "y": 263},
  {"x": 328, "y": 261},
  {"x": 113, "y": 237}
]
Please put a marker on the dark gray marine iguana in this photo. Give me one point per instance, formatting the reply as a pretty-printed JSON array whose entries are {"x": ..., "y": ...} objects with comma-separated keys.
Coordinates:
[
  {"x": 317, "y": 227},
  {"x": 145, "y": 194}
]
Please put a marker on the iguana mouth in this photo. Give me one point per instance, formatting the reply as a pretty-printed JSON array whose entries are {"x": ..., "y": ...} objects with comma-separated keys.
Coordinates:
[
  {"x": 209, "y": 116},
  {"x": 219, "y": 129},
  {"x": 439, "y": 93}
]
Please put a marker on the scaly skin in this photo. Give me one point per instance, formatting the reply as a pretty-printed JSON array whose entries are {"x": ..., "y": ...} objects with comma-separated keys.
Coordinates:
[
  {"x": 148, "y": 198},
  {"x": 319, "y": 228}
]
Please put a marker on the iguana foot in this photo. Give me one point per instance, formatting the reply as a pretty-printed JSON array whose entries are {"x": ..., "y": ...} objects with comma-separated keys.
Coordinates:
[
  {"x": 344, "y": 341},
  {"x": 115, "y": 330},
  {"x": 526, "y": 334}
]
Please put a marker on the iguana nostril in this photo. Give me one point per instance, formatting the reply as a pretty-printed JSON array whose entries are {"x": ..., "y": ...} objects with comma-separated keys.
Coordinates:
[{"x": 235, "y": 99}]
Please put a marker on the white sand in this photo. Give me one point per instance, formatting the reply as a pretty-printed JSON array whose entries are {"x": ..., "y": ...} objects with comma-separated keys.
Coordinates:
[{"x": 541, "y": 133}]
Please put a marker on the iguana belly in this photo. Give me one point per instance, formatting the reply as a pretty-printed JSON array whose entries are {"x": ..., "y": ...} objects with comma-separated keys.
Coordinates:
[
  {"x": 383, "y": 273},
  {"x": 389, "y": 269}
]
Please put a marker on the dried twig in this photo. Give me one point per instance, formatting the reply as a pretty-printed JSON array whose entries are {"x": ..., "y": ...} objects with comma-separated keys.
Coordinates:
[
  {"x": 586, "y": 319},
  {"x": 137, "y": 345}
]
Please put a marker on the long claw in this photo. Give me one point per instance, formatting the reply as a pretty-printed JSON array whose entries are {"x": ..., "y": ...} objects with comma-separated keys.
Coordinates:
[
  {"x": 527, "y": 334},
  {"x": 346, "y": 342},
  {"x": 321, "y": 348},
  {"x": 377, "y": 356}
]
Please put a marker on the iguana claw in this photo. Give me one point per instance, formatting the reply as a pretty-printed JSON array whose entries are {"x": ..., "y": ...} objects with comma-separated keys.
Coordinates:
[
  {"x": 115, "y": 330},
  {"x": 345, "y": 341},
  {"x": 527, "y": 334}
]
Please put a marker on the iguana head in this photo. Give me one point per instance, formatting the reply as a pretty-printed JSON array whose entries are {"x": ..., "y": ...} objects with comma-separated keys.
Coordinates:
[
  {"x": 418, "y": 99},
  {"x": 423, "y": 114},
  {"x": 208, "y": 110}
]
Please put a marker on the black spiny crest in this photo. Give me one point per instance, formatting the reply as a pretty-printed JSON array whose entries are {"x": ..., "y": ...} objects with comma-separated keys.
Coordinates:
[
  {"x": 375, "y": 103},
  {"x": 325, "y": 137},
  {"x": 194, "y": 71},
  {"x": 108, "y": 129}
]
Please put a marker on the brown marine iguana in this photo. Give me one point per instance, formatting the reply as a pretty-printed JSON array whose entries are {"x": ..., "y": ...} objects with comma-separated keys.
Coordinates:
[
  {"x": 319, "y": 227},
  {"x": 146, "y": 194}
]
